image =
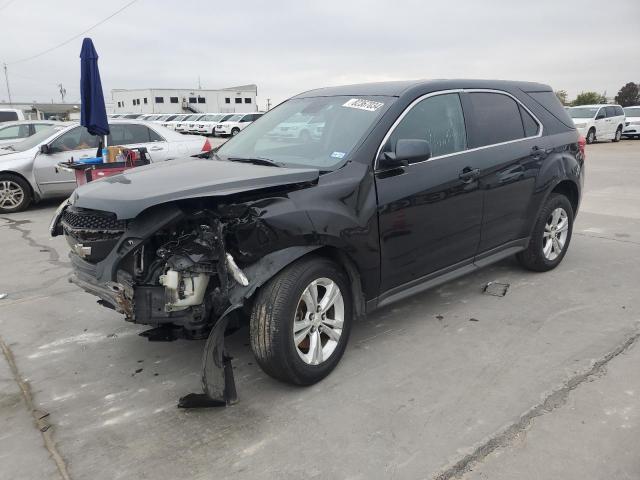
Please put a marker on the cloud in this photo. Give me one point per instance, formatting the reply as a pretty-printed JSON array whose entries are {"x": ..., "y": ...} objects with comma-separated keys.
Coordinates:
[{"x": 290, "y": 46}]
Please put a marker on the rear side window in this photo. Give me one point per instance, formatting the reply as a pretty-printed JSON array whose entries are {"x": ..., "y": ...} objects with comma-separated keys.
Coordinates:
[
  {"x": 8, "y": 116},
  {"x": 531, "y": 127},
  {"x": 438, "y": 120},
  {"x": 125, "y": 134},
  {"x": 549, "y": 101},
  {"x": 619, "y": 110},
  {"x": 496, "y": 119}
]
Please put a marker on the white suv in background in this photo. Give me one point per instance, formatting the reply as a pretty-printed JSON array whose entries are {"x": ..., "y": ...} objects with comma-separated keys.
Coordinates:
[
  {"x": 632, "y": 123},
  {"x": 171, "y": 123},
  {"x": 237, "y": 122},
  {"x": 598, "y": 122},
  {"x": 183, "y": 125}
]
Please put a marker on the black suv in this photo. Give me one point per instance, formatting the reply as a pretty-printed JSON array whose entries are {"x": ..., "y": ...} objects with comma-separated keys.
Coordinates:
[{"x": 338, "y": 201}]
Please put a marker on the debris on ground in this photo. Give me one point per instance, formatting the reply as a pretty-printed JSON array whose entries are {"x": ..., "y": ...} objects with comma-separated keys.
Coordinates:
[
  {"x": 474, "y": 320},
  {"x": 496, "y": 289},
  {"x": 3, "y": 295}
]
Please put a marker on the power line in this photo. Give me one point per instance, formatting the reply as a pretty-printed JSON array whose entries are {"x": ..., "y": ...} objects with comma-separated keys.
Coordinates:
[{"x": 75, "y": 36}]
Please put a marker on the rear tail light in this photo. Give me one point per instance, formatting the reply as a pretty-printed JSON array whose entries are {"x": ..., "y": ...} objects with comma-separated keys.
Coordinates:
[
  {"x": 207, "y": 146},
  {"x": 581, "y": 143}
]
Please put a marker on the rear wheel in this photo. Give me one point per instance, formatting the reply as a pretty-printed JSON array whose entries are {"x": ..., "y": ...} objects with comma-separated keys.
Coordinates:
[
  {"x": 618, "y": 135},
  {"x": 301, "y": 321},
  {"x": 591, "y": 136},
  {"x": 235, "y": 131},
  {"x": 550, "y": 237},
  {"x": 15, "y": 193}
]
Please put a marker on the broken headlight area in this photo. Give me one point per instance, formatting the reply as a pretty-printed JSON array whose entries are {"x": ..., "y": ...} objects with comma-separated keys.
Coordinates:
[{"x": 179, "y": 278}]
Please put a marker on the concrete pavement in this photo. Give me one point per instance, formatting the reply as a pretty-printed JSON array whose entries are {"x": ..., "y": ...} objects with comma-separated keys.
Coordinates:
[{"x": 449, "y": 383}]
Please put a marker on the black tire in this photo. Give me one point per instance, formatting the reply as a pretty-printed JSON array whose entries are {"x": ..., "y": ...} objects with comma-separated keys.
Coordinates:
[
  {"x": 272, "y": 321},
  {"x": 18, "y": 185},
  {"x": 533, "y": 258},
  {"x": 235, "y": 131},
  {"x": 618, "y": 135},
  {"x": 591, "y": 136}
]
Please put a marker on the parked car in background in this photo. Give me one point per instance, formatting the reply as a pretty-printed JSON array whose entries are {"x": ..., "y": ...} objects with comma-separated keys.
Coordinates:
[
  {"x": 164, "y": 118},
  {"x": 192, "y": 126},
  {"x": 181, "y": 126},
  {"x": 207, "y": 124},
  {"x": 171, "y": 124},
  {"x": 14, "y": 132},
  {"x": 234, "y": 124},
  {"x": 410, "y": 185},
  {"x": 11, "y": 115},
  {"x": 188, "y": 122},
  {"x": 632, "y": 122},
  {"x": 303, "y": 127},
  {"x": 598, "y": 122},
  {"x": 28, "y": 169}
]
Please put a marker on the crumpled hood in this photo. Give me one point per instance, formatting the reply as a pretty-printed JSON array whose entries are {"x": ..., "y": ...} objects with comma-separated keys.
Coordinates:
[{"x": 137, "y": 189}]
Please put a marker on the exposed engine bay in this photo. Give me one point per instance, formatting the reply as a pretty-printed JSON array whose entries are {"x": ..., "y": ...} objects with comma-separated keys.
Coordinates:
[{"x": 180, "y": 277}]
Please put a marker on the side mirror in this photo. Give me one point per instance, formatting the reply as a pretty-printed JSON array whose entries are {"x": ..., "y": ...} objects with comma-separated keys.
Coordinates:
[
  {"x": 407, "y": 151},
  {"x": 44, "y": 149}
]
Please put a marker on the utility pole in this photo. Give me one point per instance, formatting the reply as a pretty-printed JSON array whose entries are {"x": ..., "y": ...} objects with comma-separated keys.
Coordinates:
[
  {"x": 6, "y": 78},
  {"x": 63, "y": 91},
  {"x": 199, "y": 84}
]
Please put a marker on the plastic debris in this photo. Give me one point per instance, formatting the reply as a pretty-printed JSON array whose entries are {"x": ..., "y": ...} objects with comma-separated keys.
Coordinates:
[{"x": 3, "y": 295}]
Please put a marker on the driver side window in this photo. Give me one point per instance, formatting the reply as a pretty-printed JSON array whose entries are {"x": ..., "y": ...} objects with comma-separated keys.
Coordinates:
[
  {"x": 438, "y": 120},
  {"x": 76, "y": 139}
]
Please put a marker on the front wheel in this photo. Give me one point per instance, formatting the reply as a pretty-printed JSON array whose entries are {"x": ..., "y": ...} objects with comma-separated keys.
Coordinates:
[
  {"x": 591, "y": 136},
  {"x": 550, "y": 237},
  {"x": 235, "y": 131},
  {"x": 15, "y": 194},
  {"x": 301, "y": 321}
]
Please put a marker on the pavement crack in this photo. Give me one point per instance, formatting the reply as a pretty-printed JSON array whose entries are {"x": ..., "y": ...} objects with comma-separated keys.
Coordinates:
[
  {"x": 551, "y": 402},
  {"x": 39, "y": 417},
  {"x": 17, "y": 225},
  {"x": 590, "y": 235}
]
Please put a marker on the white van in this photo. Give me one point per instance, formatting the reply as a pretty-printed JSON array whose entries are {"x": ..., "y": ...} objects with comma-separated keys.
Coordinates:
[
  {"x": 632, "y": 123},
  {"x": 598, "y": 122},
  {"x": 11, "y": 115}
]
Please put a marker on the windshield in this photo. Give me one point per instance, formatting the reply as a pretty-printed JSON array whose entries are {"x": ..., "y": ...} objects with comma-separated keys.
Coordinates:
[
  {"x": 233, "y": 118},
  {"x": 188, "y": 117},
  {"x": 131, "y": 115},
  {"x": 226, "y": 117},
  {"x": 339, "y": 124},
  {"x": 632, "y": 111},
  {"x": 36, "y": 139},
  {"x": 582, "y": 112}
]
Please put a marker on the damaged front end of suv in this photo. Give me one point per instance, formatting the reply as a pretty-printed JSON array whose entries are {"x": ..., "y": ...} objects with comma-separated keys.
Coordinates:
[{"x": 182, "y": 263}]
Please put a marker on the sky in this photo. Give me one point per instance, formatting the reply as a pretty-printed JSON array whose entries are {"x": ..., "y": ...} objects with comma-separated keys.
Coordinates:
[{"x": 286, "y": 47}]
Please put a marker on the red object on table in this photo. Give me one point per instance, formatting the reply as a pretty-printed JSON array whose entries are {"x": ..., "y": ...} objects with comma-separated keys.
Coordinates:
[{"x": 88, "y": 172}]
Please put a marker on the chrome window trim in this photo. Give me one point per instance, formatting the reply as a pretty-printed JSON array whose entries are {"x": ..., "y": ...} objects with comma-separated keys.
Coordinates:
[{"x": 466, "y": 150}]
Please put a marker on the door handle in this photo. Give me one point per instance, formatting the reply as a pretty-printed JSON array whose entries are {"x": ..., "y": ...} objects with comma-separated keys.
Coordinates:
[
  {"x": 155, "y": 149},
  {"x": 469, "y": 174}
]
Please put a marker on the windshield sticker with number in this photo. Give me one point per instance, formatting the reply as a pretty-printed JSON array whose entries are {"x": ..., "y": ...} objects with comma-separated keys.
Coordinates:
[{"x": 362, "y": 104}]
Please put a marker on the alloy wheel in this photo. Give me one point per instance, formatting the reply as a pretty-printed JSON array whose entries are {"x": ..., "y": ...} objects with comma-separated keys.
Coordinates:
[
  {"x": 318, "y": 321},
  {"x": 556, "y": 232},
  {"x": 11, "y": 194}
]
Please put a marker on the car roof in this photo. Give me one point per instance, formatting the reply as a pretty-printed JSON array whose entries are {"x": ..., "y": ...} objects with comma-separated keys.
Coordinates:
[
  {"x": 28, "y": 122},
  {"x": 398, "y": 88}
]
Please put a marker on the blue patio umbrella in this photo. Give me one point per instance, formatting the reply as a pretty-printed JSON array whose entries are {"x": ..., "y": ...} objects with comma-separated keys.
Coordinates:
[{"x": 93, "y": 114}]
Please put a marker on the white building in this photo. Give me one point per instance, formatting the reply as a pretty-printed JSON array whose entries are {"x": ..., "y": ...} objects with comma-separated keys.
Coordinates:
[{"x": 181, "y": 100}]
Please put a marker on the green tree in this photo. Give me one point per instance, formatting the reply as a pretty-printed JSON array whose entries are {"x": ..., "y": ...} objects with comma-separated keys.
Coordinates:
[
  {"x": 629, "y": 95},
  {"x": 562, "y": 96},
  {"x": 588, "y": 98}
]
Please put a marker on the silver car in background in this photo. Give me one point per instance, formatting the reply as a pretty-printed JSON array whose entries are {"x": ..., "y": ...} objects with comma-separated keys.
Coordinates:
[
  {"x": 14, "y": 132},
  {"x": 28, "y": 170}
]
